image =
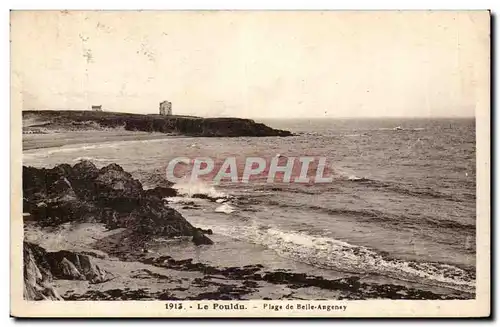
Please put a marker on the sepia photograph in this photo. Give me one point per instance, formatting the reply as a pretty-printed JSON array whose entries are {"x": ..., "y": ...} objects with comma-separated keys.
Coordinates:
[{"x": 250, "y": 163}]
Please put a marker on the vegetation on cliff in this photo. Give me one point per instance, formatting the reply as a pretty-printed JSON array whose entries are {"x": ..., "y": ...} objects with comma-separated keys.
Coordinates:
[{"x": 180, "y": 125}]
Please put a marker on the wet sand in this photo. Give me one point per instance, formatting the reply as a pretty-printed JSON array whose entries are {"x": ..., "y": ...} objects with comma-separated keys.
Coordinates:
[{"x": 149, "y": 275}]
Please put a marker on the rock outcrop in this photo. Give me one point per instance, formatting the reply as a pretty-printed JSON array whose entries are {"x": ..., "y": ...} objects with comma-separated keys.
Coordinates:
[
  {"x": 42, "y": 267},
  {"x": 84, "y": 193},
  {"x": 37, "y": 274},
  {"x": 238, "y": 283},
  {"x": 183, "y": 125},
  {"x": 71, "y": 265}
]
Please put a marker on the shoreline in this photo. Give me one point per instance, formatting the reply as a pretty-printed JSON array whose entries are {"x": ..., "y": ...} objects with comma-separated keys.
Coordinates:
[
  {"x": 53, "y": 128},
  {"x": 126, "y": 268},
  {"x": 64, "y": 138},
  {"x": 137, "y": 275},
  {"x": 42, "y": 121},
  {"x": 107, "y": 250}
]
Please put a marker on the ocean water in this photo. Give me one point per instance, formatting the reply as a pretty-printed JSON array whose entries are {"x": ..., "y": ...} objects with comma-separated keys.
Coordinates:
[{"x": 400, "y": 207}]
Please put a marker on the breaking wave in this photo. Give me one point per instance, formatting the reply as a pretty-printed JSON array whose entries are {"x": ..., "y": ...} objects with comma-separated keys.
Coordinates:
[
  {"x": 329, "y": 253},
  {"x": 66, "y": 149},
  {"x": 345, "y": 174},
  {"x": 225, "y": 208},
  {"x": 45, "y": 152},
  {"x": 189, "y": 189}
]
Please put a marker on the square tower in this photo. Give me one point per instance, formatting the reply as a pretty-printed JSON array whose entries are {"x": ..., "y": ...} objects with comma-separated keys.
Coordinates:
[{"x": 166, "y": 108}]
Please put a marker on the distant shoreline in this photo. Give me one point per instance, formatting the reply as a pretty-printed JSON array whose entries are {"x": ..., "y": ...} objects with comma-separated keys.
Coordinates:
[
  {"x": 54, "y": 140},
  {"x": 47, "y": 121}
]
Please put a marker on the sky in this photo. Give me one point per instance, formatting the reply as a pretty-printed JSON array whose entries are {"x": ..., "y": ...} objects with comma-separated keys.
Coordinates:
[{"x": 254, "y": 64}]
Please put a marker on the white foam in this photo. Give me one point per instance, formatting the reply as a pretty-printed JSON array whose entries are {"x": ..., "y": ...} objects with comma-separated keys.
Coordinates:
[
  {"x": 44, "y": 152},
  {"x": 225, "y": 208},
  {"x": 330, "y": 253},
  {"x": 346, "y": 174},
  {"x": 183, "y": 200},
  {"x": 190, "y": 188}
]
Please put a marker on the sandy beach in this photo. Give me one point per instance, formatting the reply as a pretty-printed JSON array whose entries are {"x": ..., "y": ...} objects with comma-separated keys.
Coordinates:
[{"x": 56, "y": 139}]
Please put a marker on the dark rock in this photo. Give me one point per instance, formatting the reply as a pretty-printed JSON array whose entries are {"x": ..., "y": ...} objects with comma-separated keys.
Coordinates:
[
  {"x": 112, "y": 184},
  {"x": 201, "y": 196},
  {"x": 109, "y": 195},
  {"x": 62, "y": 210},
  {"x": 193, "y": 126},
  {"x": 116, "y": 295},
  {"x": 257, "y": 277},
  {"x": 84, "y": 170},
  {"x": 67, "y": 270},
  {"x": 71, "y": 265},
  {"x": 350, "y": 287},
  {"x": 206, "y": 231},
  {"x": 62, "y": 187},
  {"x": 208, "y": 197},
  {"x": 276, "y": 277},
  {"x": 249, "y": 283},
  {"x": 37, "y": 274},
  {"x": 167, "y": 296},
  {"x": 111, "y": 167},
  {"x": 148, "y": 274},
  {"x": 161, "y": 192},
  {"x": 200, "y": 239},
  {"x": 42, "y": 267}
]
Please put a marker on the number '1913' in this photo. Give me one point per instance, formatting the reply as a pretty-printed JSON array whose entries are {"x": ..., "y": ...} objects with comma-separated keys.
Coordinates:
[{"x": 170, "y": 306}]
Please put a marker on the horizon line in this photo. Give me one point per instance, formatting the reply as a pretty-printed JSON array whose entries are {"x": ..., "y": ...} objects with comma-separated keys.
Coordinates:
[{"x": 283, "y": 118}]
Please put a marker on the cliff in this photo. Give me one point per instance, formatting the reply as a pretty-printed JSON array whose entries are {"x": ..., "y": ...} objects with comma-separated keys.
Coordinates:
[
  {"x": 179, "y": 125},
  {"x": 42, "y": 267},
  {"x": 84, "y": 193}
]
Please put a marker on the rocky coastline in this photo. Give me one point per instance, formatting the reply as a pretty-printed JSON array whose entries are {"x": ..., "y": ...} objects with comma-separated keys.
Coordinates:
[
  {"x": 43, "y": 121},
  {"x": 119, "y": 266}
]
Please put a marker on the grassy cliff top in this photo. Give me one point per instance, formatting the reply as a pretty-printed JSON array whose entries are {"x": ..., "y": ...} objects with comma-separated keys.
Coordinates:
[{"x": 71, "y": 120}]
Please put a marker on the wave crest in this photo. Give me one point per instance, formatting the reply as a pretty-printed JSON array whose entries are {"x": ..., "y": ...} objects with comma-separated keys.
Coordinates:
[
  {"x": 189, "y": 189},
  {"x": 330, "y": 253}
]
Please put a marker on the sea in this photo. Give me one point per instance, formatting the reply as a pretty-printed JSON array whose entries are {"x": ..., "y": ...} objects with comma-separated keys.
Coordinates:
[{"x": 401, "y": 207}]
